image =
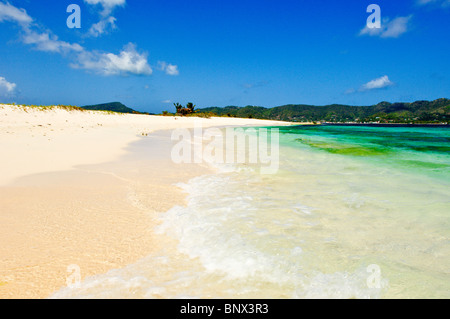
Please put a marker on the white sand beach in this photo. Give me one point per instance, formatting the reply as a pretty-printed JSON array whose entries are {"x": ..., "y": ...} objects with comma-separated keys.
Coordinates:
[{"x": 57, "y": 208}]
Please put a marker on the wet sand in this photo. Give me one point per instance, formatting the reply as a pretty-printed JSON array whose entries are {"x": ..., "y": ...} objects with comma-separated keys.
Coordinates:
[{"x": 63, "y": 206}]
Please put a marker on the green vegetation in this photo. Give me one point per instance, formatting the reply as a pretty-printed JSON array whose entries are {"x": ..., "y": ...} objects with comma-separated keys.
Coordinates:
[
  {"x": 110, "y": 108},
  {"x": 437, "y": 111},
  {"x": 116, "y": 107},
  {"x": 419, "y": 112},
  {"x": 188, "y": 110},
  {"x": 47, "y": 107}
]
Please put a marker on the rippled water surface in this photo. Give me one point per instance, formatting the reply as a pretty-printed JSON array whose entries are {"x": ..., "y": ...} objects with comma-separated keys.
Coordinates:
[{"x": 353, "y": 212}]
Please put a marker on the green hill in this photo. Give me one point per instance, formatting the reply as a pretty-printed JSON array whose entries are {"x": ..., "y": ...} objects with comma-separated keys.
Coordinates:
[
  {"x": 113, "y": 107},
  {"x": 437, "y": 111}
]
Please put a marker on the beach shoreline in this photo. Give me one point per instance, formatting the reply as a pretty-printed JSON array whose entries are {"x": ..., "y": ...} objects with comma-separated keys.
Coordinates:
[{"x": 68, "y": 183}]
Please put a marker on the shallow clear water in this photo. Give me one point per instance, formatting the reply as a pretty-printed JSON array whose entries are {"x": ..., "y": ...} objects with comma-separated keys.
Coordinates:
[{"x": 352, "y": 212}]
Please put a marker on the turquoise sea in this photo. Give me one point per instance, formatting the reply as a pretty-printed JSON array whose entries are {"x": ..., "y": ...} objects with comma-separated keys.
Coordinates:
[{"x": 352, "y": 212}]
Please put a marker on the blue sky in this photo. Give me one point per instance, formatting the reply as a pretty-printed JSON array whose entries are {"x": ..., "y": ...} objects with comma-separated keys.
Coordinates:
[{"x": 150, "y": 54}]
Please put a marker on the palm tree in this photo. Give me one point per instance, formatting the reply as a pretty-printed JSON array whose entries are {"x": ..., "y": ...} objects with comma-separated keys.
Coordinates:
[
  {"x": 190, "y": 107},
  {"x": 178, "y": 106}
]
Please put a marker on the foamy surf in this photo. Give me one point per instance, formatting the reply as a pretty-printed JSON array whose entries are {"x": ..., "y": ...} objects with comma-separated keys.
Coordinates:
[
  {"x": 225, "y": 248},
  {"x": 331, "y": 223}
]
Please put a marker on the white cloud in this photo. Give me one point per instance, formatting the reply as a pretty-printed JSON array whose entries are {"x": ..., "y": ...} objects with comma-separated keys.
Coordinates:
[
  {"x": 442, "y": 3},
  {"x": 6, "y": 88},
  {"x": 102, "y": 27},
  {"x": 10, "y": 13},
  {"x": 389, "y": 28},
  {"x": 127, "y": 62},
  {"x": 107, "y": 22},
  {"x": 396, "y": 27},
  {"x": 108, "y": 5},
  {"x": 49, "y": 42},
  {"x": 379, "y": 83},
  {"x": 350, "y": 91},
  {"x": 170, "y": 69},
  {"x": 43, "y": 41}
]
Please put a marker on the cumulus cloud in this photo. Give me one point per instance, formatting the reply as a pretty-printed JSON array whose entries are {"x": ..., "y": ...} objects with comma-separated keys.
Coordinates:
[
  {"x": 43, "y": 41},
  {"x": 12, "y": 14},
  {"x": 6, "y": 88},
  {"x": 170, "y": 69},
  {"x": 108, "y": 5},
  {"x": 102, "y": 27},
  {"x": 48, "y": 42},
  {"x": 375, "y": 84},
  {"x": 107, "y": 22},
  {"x": 378, "y": 83},
  {"x": 128, "y": 62},
  {"x": 389, "y": 28}
]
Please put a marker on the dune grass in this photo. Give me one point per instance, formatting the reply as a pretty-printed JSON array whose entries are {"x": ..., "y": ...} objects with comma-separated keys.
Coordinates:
[{"x": 52, "y": 107}]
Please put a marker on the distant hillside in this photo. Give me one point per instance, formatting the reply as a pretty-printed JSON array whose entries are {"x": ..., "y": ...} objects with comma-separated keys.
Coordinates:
[
  {"x": 384, "y": 112},
  {"x": 113, "y": 107}
]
